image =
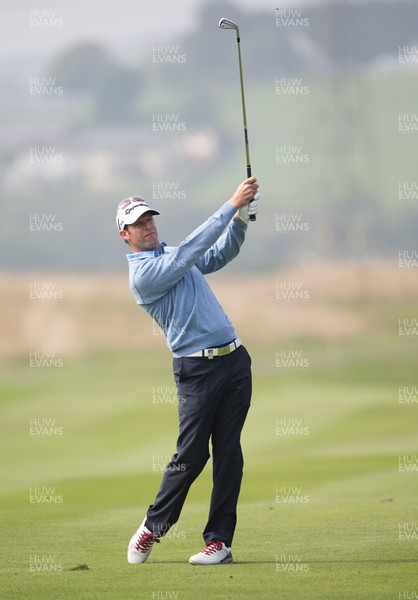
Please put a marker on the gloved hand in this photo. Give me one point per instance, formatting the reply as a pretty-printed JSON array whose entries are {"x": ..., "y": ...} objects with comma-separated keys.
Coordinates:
[{"x": 249, "y": 209}]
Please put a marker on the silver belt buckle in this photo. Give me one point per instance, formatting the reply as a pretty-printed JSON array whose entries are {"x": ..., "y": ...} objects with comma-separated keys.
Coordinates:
[{"x": 225, "y": 350}]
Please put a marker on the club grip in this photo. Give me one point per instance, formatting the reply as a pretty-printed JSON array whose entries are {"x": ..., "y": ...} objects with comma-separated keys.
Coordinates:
[{"x": 252, "y": 217}]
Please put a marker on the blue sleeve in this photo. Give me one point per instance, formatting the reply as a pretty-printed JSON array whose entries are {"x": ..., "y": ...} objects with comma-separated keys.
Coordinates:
[
  {"x": 224, "y": 250},
  {"x": 154, "y": 277}
]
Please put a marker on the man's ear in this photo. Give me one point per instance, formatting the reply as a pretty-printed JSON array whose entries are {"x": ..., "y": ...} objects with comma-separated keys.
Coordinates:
[{"x": 123, "y": 233}]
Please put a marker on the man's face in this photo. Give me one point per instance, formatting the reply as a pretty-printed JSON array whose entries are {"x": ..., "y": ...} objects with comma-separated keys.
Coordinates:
[{"x": 142, "y": 235}]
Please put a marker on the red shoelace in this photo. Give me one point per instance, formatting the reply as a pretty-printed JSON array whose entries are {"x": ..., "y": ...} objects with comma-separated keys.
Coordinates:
[
  {"x": 145, "y": 542},
  {"x": 212, "y": 546}
]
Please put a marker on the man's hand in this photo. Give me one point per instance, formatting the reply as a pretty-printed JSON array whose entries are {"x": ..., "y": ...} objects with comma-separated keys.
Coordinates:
[{"x": 244, "y": 193}]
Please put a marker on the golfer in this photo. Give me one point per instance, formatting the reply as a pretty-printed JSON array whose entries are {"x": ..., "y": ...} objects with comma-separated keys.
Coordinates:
[{"x": 212, "y": 369}]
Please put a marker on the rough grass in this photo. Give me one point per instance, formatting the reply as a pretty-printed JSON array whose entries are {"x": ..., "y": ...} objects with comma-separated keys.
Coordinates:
[{"x": 81, "y": 313}]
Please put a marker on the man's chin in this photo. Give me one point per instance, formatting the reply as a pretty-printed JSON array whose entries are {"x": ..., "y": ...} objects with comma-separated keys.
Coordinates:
[{"x": 152, "y": 244}]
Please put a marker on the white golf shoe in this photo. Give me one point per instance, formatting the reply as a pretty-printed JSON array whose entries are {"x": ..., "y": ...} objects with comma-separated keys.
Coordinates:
[
  {"x": 141, "y": 543},
  {"x": 214, "y": 553}
]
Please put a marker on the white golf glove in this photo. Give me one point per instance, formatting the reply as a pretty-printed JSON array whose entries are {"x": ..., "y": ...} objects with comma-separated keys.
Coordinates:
[{"x": 249, "y": 209}]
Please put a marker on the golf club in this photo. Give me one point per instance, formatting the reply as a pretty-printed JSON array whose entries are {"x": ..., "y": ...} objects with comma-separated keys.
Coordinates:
[{"x": 227, "y": 24}]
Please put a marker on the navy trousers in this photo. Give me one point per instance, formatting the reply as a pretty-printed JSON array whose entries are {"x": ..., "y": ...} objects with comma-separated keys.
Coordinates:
[{"x": 214, "y": 396}]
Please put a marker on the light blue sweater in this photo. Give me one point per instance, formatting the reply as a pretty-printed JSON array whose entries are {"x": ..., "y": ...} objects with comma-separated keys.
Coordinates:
[{"x": 170, "y": 286}]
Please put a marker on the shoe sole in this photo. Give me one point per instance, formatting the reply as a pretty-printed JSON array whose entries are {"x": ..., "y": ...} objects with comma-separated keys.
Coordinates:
[{"x": 226, "y": 561}]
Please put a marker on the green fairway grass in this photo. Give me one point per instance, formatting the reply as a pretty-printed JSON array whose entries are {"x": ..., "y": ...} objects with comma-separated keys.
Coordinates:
[{"x": 324, "y": 513}]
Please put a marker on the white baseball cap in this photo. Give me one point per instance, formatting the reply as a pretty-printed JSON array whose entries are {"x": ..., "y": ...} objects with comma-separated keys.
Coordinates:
[{"x": 130, "y": 209}]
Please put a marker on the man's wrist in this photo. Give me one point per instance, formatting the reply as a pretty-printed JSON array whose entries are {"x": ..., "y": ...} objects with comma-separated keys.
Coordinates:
[{"x": 232, "y": 203}]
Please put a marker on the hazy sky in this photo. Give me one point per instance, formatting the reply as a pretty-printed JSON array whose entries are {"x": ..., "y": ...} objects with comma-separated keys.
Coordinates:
[{"x": 125, "y": 26}]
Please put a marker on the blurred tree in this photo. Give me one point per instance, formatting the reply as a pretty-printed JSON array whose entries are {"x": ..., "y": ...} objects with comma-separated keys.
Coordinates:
[{"x": 87, "y": 69}]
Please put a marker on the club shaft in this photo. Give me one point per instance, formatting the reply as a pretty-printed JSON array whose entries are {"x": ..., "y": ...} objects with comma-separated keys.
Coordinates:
[{"x": 244, "y": 114}]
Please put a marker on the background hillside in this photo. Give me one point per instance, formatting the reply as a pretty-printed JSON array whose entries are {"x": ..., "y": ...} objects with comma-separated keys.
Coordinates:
[{"x": 331, "y": 102}]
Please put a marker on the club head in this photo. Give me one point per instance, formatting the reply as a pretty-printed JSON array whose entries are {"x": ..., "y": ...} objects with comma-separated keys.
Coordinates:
[{"x": 227, "y": 24}]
